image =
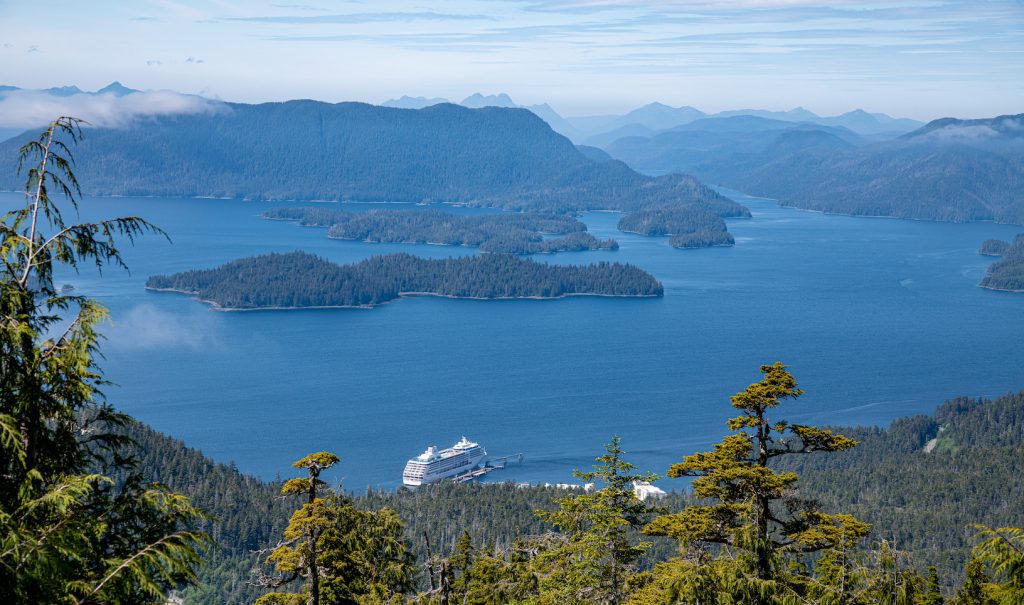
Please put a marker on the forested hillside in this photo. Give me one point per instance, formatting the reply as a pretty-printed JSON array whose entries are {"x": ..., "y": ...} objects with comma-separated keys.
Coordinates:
[
  {"x": 502, "y": 157},
  {"x": 949, "y": 170},
  {"x": 298, "y": 280},
  {"x": 1006, "y": 273},
  {"x": 922, "y": 483},
  {"x": 518, "y": 233}
]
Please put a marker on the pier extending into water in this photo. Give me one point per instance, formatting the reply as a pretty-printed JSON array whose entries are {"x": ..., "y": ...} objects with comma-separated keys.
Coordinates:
[{"x": 489, "y": 466}]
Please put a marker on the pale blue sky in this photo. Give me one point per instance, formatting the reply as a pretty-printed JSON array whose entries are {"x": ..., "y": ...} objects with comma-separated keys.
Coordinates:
[{"x": 922, "y": 59}]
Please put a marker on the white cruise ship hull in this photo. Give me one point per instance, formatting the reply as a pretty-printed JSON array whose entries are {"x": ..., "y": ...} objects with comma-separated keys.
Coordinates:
[{"x": 433, "y": 467}]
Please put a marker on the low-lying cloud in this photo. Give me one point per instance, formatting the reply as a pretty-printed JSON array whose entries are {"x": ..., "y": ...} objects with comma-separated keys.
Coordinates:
[
  {"x": 33, "y": 108},
  {"x": 146, "y": 327}
]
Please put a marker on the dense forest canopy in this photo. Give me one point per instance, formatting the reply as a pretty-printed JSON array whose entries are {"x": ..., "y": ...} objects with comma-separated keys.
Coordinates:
[
  {"x": 1007, "y": 273},
  {"x": 925, "y": 480},
  {"x": 298, "y": 279},
  {"x": 509, "y": 233}
]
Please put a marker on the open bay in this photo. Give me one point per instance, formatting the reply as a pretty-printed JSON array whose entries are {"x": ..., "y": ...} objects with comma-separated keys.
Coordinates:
[{"x": 878, "y": 318}]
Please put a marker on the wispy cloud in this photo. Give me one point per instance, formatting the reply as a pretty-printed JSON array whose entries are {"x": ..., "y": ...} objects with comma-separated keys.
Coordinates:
[
  {"x": 30, "y": 108},
  {"x": 146, "y": 327},
  {"x": 384, "y": 17},
  {"x": 301, "y": 7}
]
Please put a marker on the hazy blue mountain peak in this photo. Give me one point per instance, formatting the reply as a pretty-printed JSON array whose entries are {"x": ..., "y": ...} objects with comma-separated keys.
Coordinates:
[
  {"x": 63, "y": 91},
  {"x": 477, "y": 100},
  {"x": 116, "y": 88},
  {"x": 407, "y": 102},
  {"x": 997, "y": 129}
]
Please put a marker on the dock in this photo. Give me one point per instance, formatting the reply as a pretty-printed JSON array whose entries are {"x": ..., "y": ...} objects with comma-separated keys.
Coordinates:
[{"x": 489, "y": 466}]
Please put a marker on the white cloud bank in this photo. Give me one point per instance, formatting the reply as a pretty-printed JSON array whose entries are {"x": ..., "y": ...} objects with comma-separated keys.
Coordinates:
[{"x": 33, "y": 108}]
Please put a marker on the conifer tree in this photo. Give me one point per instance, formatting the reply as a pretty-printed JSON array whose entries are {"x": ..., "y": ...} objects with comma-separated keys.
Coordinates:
[
  {"x": 933, "y": 594},
  {"x": 77, "y": 523},
  {"x": 755, "y": 525},
  {"x": 593, "y": 557},
  {"x": 1002, "y": 550},
  {"x": 976, "y": 589},
  {"x": 333, "y": 552},
  {"x": 296, "y": 557}
]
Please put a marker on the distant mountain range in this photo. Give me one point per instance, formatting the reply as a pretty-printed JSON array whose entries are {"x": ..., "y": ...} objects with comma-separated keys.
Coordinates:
[
  {"x": 498, "y": 157},
  {"x": 114, "y": 88},
  {"x": 652, "y": 118},
  {"x": 596, "y": 131},
  {"x": 950, "y": 170}
]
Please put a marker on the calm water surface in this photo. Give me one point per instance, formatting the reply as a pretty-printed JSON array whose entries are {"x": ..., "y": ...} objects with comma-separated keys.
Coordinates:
[{"x": 878, "y": 319}]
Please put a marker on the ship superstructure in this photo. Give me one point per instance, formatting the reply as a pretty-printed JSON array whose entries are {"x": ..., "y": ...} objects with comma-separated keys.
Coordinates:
[{"x": 433, "y": 465}]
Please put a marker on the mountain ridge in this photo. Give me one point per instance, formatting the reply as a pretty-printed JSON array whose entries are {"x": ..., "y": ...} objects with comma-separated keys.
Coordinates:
[{"x": 495, "y": 157}]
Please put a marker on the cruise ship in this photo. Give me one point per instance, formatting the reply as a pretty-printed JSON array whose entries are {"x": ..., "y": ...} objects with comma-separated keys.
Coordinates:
[{"x": 432, "y": 465}]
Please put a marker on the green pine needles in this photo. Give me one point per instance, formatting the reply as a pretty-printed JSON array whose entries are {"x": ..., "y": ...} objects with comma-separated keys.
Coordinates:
[
  {"x": 332, "y": 552},
  {"x": 77, "y": 524}
]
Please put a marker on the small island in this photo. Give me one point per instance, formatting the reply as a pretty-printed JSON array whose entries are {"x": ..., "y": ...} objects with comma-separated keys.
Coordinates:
[
  {"x": 298, "y": 280},
  {"x": 993, "y": 247},
  {"x": 502, "y": 233},
  {"x": 1007, "y": 274},
  {"x": 686, "y": 227}
]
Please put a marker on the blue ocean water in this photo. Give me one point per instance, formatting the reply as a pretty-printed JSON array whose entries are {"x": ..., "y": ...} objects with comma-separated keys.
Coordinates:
[{"x": 878, "y": 319}]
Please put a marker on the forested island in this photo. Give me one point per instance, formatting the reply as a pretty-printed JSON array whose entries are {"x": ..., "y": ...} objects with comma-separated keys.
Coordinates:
[
  {"x": 687, "y": 228},
  {"x": 1008, "y": 272},
  {"x": 302, "y": 280},
  {"x": 506, "y": 233},
  {"x": 993, "y": 247}
]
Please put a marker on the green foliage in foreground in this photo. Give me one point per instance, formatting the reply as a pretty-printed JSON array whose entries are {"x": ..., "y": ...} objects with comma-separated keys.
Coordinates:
[
  {"x": 338, "y": 553},
  {"x": 755, "y": 529},
  {"x": 78, "y": 524},
  {"x": 298, "y": 279},
  {"x": 888, "y": 481}
]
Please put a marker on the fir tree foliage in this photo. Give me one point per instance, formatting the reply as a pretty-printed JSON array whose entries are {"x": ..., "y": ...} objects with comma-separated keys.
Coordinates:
[
  {"x": 77, "y": 523},
  {"x": 1002, "y": 550},
  {"x": 976, "y": 588},
  {"x": 754, "y": 518},
  {"x": 333, "y": 552},
  {"x": 593, "y": 556}
]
